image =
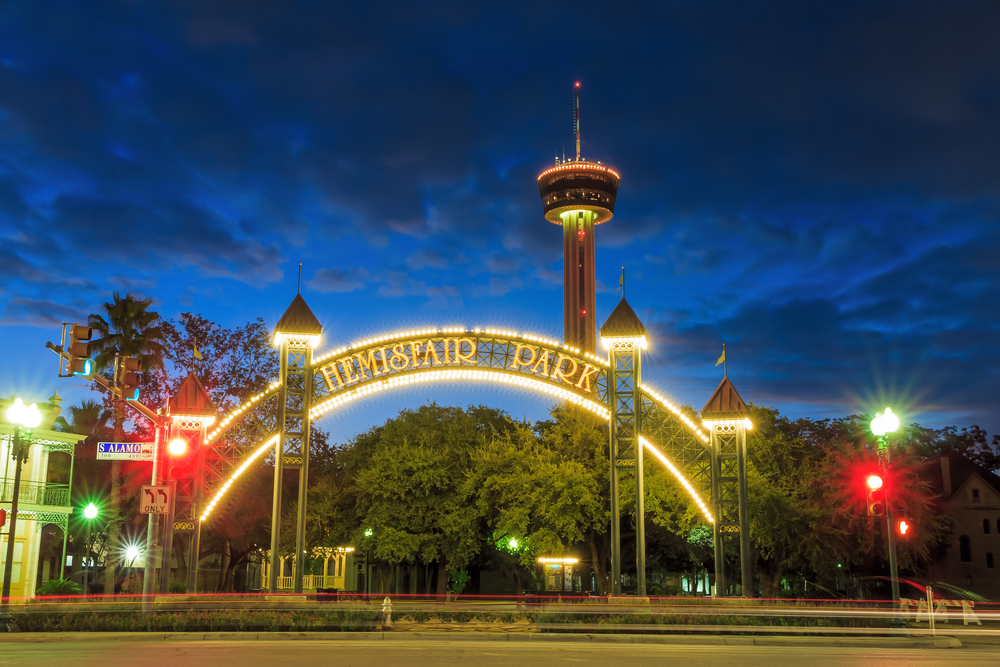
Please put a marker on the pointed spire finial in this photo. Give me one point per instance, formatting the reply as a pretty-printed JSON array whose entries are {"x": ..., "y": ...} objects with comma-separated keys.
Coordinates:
[
  {"x": 299, "y": 290},
  {"x": 576, "y": 119}
]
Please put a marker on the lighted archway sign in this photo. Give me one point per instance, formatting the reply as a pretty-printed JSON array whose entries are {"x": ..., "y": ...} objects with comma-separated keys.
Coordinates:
[{"x": 458, "y": 354}]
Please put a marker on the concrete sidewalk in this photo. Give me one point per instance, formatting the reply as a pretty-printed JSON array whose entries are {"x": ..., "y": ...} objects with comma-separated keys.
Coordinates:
[{"x": 548, "y": 637}]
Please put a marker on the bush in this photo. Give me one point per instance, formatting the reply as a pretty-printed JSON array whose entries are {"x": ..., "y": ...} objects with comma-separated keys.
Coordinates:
[
  {"x": 132, "y": 585},
  {"x": 177, "y": 587},
  {"x": 59, "y": 587},
  {"x": 457, "y": 579},
  {"x": 223, "y": 620},
  {"x": 416, "y": 616}
]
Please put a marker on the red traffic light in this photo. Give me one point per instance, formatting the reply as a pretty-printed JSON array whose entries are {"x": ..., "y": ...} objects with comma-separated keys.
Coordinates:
[
  {"x": 904, "y": 526},
  {"x": 177, "y": 447},
  {"x": 874, "y": 495}
]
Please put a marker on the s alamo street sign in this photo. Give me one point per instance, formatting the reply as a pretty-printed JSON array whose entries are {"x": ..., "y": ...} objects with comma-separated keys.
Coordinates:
[{"x": 124, "y": 451}]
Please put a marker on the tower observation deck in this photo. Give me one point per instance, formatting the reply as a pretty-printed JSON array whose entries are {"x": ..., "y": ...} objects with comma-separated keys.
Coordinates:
[{"x": 579, "y": 195}]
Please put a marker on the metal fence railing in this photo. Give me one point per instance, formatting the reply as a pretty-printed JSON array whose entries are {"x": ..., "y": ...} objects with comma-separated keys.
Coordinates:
[{"x": 35, "y": 493}]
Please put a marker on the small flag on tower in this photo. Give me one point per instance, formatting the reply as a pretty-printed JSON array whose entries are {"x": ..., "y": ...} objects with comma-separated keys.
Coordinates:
[
  {"x": 197, "y": 354},
  {"x": 722, "y": 360}
]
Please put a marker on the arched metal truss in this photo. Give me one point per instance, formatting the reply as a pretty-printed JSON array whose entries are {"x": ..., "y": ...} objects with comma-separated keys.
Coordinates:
[{"x": 397, "y": 360}]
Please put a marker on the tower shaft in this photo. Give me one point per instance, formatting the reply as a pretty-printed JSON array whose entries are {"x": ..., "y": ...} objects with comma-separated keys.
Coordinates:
[{"x": 579, "y": 302}]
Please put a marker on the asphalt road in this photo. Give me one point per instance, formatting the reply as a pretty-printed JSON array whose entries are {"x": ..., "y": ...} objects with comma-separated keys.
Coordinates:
[{"x": 478, "y": 654}]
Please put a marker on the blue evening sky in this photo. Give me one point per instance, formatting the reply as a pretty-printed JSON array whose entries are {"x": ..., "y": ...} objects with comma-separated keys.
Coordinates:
[{"x": 815, "y": 184}]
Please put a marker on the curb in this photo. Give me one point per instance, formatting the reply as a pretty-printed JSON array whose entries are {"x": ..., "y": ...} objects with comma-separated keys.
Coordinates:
[{"x": 704, "y": 640}]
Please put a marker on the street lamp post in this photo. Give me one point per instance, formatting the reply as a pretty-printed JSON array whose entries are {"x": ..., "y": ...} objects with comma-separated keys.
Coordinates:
[
  {"x": 368, "y": 566},
  {"x": 881, "y": 425},
  {"x": 89, "y": 512},
  {"x": 29, "y": 417}
]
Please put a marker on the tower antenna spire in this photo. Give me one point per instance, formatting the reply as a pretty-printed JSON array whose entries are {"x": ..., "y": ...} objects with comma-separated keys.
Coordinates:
[{"x": 576, "y": 119}]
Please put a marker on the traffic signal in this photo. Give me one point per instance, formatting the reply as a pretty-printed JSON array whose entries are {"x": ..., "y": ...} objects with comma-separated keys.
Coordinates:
[
  {"x": 177, "y": 447},
  {"x": 130, "y": 378},
  {"x": 181, "y": 459},
  {"x": 79, "y": 362},
  {"x": 875, "y": 495},
  {"x": 904, "y": 528}
]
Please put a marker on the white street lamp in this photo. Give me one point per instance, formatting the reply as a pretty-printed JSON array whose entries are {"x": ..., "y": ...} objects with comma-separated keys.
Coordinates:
[
  {"x": 27, "y": 417},
  {"x": 89, "y": 513}
]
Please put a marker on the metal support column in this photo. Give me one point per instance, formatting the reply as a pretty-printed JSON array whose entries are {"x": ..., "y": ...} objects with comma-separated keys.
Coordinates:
[
  {"x": 168, "y": 540},
  {"x": 616, "y": 531},
  {"x": 279, "y": 447},
  {"x": 717, "y": 510},
  {"x": 624, "y": 398},
  {"x": 302, "y": 384},
  {"x": 197, "y": 502},
  {"x": 293, "y": 447},
  {"x": 729, "y": 499},
  {"x": 746, "y": 568}
]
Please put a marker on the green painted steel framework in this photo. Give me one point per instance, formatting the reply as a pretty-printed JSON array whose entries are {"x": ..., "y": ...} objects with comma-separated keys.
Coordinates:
[{"x": 309, "y": 387}]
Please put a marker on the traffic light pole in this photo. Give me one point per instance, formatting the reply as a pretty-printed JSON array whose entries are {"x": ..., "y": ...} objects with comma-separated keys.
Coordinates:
[
  {"x": 885, "y": 453},
  {"x": 151, "y": 532}
]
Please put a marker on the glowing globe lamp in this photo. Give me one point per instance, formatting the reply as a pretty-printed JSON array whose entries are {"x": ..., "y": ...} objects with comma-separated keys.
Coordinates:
[
  {"x": 884, "y": 423},
  {"x": 890, "y": 422},
  {"x": 177, "y": 446},
  {"x": 90, "y": 511},
  {"x": 24, "y": 415},
  {"x": 874, "y": 482},
  {"x": 513, "y": 543},
  {"x": 132, "y": 552}
]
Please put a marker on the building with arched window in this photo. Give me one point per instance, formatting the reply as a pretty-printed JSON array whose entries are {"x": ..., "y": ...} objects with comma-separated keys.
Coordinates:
[{"x": 970, "y": 496}]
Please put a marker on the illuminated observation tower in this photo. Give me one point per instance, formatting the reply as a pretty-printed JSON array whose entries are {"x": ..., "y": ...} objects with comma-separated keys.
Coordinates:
[{"x": 579, "y": 195}]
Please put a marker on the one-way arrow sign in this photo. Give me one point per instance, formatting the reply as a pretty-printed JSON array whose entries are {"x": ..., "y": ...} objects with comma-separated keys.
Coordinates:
[{"x": 155, "y": 499}]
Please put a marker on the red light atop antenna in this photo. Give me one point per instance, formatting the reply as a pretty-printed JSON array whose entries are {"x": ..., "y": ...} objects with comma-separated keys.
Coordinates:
[
  {"x": 577, "y": 84},
  {"x": 583, "y": 313}
]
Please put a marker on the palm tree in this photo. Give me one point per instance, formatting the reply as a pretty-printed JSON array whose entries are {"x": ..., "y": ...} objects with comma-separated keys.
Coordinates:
[
  {"x": 130, "y": 330},
  {"x": 89, "y": 419}
]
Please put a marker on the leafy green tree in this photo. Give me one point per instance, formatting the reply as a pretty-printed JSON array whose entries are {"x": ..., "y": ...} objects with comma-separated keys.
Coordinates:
[
  {"x": 410, "y": 492},
  {"x": 236, "y": 363},
  {"x": 973, "y": 443},
  {"x": 781, "y": 474}
]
